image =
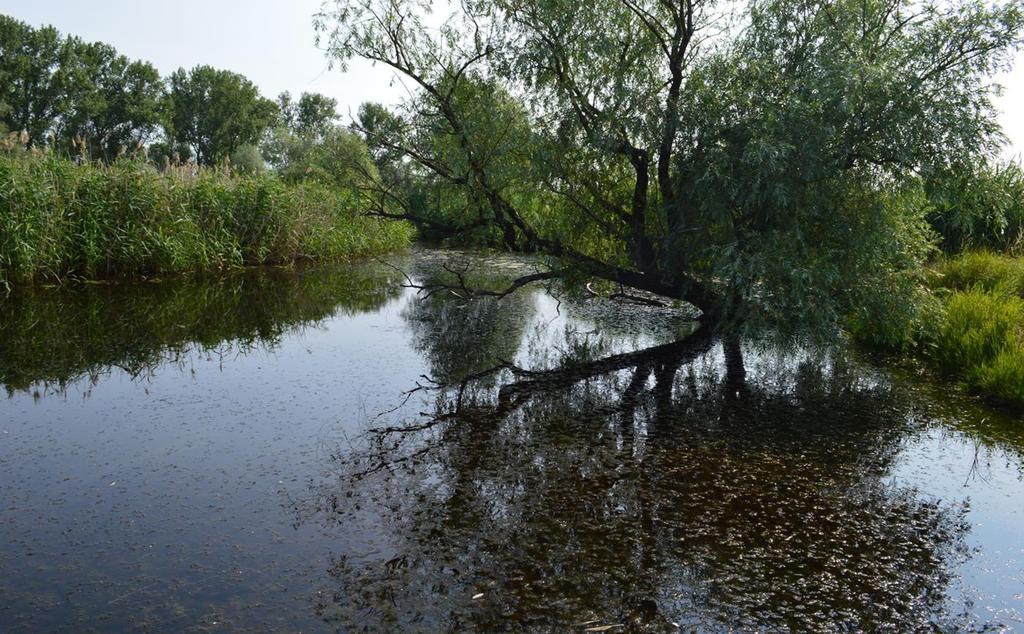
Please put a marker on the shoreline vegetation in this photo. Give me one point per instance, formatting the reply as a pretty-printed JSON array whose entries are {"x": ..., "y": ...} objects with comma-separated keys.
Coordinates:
[
  {"x": 109, "y": 170},
  {"x": 773, "y": 217},
  {"x": 978, "y": 335},
  {"x": 971, "y": 331},
  {"x": 60, "y": 219},
  {"x": 63, "y": 220}
]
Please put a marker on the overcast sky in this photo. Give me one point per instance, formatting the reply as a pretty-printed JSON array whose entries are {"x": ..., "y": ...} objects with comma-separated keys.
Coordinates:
[{"x": 272, "y": 43}]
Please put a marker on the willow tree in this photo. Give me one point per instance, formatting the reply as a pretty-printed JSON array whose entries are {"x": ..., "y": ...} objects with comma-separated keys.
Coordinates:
[{"x": 757, "y": 161}]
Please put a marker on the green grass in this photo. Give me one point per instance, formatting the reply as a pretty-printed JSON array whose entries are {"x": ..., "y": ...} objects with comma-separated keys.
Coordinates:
[
  {"x": 981, "y": 269},
  {"x": 978, "y": 336},
  {"x": 971, "y": 328},
  {"x": 59, "y": 219}
]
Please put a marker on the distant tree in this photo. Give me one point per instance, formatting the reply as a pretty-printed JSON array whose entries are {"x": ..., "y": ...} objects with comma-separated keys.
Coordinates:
[
  {"x": 300, "y": 126},
  {"x": 308, "y": 144},
  {"x": 341, "y": 158},
  {"x": 311, "y": 116},
  {"x": 113, "y": 103},
  {"x": 214, "y": 112},
  {"x": 33, "y": 83},
  {"x": 338, "y": 157},
  {"x": 247, "y": 160},
  {"x": 164, "y": 152},
  {"x": 380, "y": 127}
]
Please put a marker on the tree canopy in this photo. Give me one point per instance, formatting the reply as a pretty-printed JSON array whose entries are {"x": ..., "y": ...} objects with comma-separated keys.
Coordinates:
[
  {"x": 116, "y": 101},
  {"x": 86, "y": 99},
  {"x": 215, "y": 112},
  {"x": 760, "y": 162},
  {"x": 307, "y": 143},
  {"x": 32, "y": 84}
]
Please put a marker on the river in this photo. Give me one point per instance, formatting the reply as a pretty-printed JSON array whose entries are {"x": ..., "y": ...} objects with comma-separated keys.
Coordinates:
[{"x": 322, "y": 449}]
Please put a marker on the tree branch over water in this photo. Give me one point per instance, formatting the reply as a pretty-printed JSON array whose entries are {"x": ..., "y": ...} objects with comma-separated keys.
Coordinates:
[{"x": 747, "y": 164}]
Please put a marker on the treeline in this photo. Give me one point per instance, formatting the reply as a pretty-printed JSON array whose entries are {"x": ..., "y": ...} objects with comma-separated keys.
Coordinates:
[
  {"x": 108, "y": 169},
  {"x": 85, "y": 100}
]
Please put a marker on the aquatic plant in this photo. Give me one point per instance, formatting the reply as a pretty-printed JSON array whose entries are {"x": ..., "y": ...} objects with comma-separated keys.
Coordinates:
[
  {"x": 980, "y": 339},
  {"x": 60, "y": 219}
]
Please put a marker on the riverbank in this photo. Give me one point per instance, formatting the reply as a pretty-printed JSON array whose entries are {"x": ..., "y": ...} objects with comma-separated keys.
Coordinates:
[
  {"x": 59, "y": 219},
  {"x": 979, "y": 334},
  {"x": 972, "y": 331}
]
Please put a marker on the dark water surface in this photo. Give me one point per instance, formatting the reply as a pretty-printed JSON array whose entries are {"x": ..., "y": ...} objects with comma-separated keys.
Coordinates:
[{"x": 318, "y": 450}]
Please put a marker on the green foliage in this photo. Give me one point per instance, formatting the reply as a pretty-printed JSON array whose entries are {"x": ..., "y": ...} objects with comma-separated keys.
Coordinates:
[
  {"x": 97, "y": 103},
  {"x": 972, "y": 327},
  {"x": 815, "y": 216},
  {"x": 981, "y": 340},
  {"x": 247, "y": 160},
  {"x": 307, "y": 145},
  {"x": 59, "y": 219},
  {"x": 765, "y": 174},
  {"x": 978, "y": 207},
  {"x": 981, "y": 269},
  {"x": 113, "y": 102},
  {"x": 312, "y": 116},
  {"x": 1003, "y": 378},
  {"x": 978, "y": 326},
  {"x": 33, "y": 78},
  {"x": 214, "y": 112},
  {"x": 339, "y": 158}
]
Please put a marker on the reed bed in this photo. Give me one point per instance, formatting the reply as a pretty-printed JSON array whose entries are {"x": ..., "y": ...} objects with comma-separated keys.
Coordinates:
[
  {"x": 979, "y": 334},
  {"x": 60, "y": 219}
]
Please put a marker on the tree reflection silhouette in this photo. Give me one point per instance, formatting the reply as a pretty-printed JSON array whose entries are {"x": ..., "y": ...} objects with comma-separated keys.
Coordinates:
[{"x": 642, "y": 489}]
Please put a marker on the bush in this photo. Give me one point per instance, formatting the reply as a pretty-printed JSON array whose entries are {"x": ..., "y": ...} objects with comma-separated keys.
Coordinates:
[
  {"x": 60, "y": 219},
  {"x": 248, "y": 161}
]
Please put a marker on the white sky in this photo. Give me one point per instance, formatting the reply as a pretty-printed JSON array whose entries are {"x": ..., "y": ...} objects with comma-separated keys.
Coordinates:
[{"x": 272, "y": 43}]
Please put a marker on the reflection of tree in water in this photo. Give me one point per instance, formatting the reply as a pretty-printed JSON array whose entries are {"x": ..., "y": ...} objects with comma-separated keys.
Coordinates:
[
  {"x": 460, "y": 337},
  {"x": 642, "y": 489},
  {"x": 56, "y": 336}
]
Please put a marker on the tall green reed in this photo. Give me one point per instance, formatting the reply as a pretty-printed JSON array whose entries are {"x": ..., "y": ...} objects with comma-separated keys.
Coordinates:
[{"x": 61, "y": 219}]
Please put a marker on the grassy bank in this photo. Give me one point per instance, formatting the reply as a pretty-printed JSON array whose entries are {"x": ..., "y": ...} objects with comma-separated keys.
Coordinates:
[
  {"x": 978, "y": 335},
  {"x": 61, "y": 219}
]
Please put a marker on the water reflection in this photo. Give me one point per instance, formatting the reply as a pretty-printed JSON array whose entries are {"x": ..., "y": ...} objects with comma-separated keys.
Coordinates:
[
  {"x": 51, "y": 337},
  {"x": 460, "y": 337},
  {"x": 558, "y": 462},
  {"x": 681, "y": 484}
]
